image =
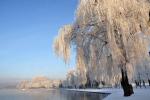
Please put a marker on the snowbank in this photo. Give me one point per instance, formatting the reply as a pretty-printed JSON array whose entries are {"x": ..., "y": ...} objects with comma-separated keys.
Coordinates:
[
  {"x": 117, "y": 94},
  {"x": 139, "y": 94}
]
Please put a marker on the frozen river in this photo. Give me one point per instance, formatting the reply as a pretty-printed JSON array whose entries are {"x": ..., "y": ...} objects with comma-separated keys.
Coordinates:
[{"x": 51, "y": 94}]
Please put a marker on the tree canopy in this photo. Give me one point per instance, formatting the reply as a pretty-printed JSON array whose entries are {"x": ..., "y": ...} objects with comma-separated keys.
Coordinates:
[{"x": 107, "y": 35}]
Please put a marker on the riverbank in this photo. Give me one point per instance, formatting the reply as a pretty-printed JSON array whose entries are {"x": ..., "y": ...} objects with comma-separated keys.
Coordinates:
[{"x": 117, "y": 93}]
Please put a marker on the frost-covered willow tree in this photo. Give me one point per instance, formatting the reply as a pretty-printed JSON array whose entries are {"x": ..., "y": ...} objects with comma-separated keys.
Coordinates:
[{"x": 107, "y": 36}]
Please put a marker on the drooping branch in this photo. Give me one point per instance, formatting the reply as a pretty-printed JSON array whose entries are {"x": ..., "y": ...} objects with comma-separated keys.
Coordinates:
[{"x": 62, "y": 44}]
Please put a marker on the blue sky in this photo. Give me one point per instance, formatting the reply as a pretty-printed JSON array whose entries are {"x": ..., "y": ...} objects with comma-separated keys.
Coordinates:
[{"x": 27, "y": 31}]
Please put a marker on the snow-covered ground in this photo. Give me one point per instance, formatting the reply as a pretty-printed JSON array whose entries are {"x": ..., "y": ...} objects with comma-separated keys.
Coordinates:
[{"x": 117, "y": 94}]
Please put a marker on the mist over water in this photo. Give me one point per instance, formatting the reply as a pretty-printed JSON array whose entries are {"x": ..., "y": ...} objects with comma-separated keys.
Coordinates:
[
  {"x": 7, "y": 83},
  {"x": 51, "y": 94}
]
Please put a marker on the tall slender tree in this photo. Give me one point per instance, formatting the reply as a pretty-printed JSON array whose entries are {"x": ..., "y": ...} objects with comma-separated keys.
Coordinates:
[{"x": 108, "y": 39}]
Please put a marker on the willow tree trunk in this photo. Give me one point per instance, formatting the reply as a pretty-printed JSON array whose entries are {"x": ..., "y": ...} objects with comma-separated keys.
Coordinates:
[
  {"x": 127, "y": 88},
  {"x": 88, "y": 83}
]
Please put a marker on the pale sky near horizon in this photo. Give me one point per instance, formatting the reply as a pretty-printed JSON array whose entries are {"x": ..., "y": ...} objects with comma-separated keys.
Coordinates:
[{"x": 27, "y": 30}]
